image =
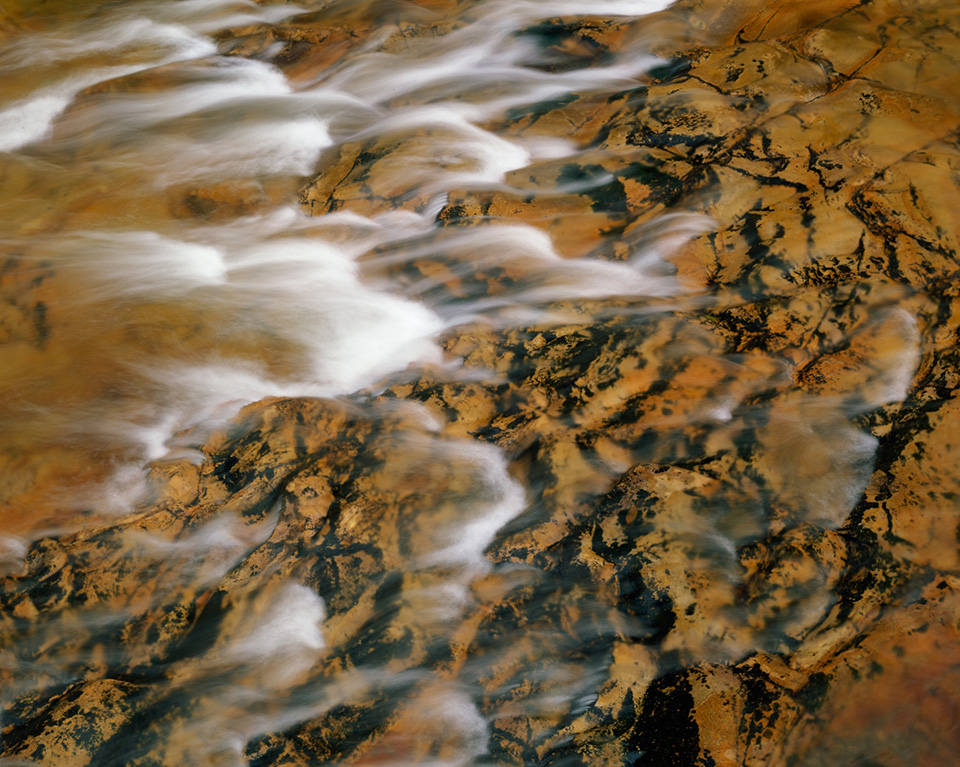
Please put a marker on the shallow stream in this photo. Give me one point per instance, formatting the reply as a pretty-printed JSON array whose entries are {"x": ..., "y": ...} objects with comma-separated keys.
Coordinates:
[{"x": 360, "y": 403}]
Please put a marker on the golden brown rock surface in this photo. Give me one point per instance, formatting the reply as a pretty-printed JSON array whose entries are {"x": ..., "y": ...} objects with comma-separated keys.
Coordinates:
[{"x": 739, "y": 544}]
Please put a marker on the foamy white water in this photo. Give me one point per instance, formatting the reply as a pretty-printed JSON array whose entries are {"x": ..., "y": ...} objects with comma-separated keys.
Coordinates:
[
  {"x": 324, "y": 328},
  {"x": 28, "y": 119},
  {"x": 496, "y": 499},
  {"x": 220, "y": 119},
  {"x": 130, "y": 263},
  {"x": 213, "y": 313},
  {"x": 162, "y": 173},
  {"x": 285, "y": 640}
]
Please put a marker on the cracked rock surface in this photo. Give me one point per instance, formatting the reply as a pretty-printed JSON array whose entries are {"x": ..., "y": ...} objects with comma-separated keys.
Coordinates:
[{"x": 722, "y": 514}]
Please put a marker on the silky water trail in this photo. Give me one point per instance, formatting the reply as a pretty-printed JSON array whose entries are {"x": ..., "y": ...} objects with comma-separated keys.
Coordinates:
[{"x": 163, "y": 272}]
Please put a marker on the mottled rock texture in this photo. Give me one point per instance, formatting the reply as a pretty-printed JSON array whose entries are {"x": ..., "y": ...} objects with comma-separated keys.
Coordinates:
[{"x": 739, "y": 544}]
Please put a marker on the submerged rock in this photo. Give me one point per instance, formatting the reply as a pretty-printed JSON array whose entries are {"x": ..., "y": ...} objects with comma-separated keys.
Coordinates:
[{"x": 695, "y": 515}]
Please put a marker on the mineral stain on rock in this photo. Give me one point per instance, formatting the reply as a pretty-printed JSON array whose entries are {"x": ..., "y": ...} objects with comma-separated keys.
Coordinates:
[{"x": 678, "y": 487}]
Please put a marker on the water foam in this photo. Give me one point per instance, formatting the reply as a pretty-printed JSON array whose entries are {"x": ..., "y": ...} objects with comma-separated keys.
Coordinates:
[
  {"x": 198, "y": 86},
  {"x": 208, "y": 16},
  {"x": 309, "y": 291},
  {"x": 498, "y": 499},
  {"x": 28, "y": 120},
  {"x": 458, "y": 152},
  {"x": 138, "y": 262},
  {"x": 221, "y": 149},
  {"x": 285, "y": 640},
  {"x": 296, "y": 284}
]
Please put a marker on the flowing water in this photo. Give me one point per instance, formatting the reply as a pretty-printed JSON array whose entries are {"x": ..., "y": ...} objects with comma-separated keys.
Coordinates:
[
  {"x": 168, "y": 259},
  {"x": 134, "y": 319},
  {"x": 166, "y": 319}
]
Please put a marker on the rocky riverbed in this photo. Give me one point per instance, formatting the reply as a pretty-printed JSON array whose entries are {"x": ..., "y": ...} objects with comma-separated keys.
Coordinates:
[{"x": 679, "y": 488}]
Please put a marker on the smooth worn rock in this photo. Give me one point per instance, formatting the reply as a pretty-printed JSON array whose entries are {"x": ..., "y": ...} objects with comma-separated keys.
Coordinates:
[{"x": 706, "y": 517}]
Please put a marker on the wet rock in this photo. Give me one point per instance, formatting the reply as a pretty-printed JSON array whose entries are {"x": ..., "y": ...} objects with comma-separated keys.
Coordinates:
[{"x": 718, "y": 518}]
